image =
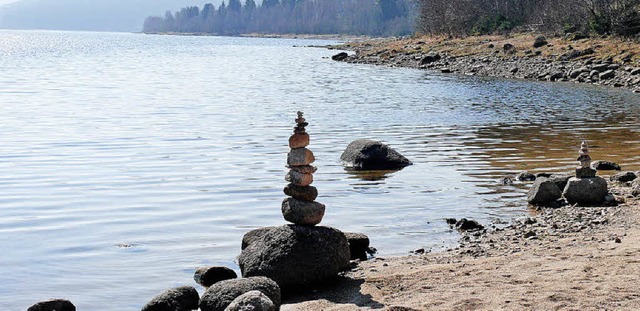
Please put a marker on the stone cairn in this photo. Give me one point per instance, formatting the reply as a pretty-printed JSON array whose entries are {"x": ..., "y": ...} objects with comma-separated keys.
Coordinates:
[
  {"x": 300, "y": 207},
  {"x": 584, "y": 170}
]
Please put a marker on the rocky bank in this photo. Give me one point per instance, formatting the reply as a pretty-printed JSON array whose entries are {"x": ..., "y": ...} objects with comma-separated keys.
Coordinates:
[{"x": 601, "y": 61}]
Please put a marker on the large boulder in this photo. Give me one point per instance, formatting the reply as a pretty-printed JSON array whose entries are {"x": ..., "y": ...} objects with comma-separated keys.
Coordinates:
[
  {"x": 183, "y": 298},
  {"x": 585, "y": 191},
  {"x": 543, "y": 191},
  {"x": 560, "y": 180},
  {"x": 53, "y": 305},
  {"x": 295, "y": 256},
  {"x": 252, "y": 301},
  {"x": 219, "y": 296},
  {"x": 365, "y": 154}
]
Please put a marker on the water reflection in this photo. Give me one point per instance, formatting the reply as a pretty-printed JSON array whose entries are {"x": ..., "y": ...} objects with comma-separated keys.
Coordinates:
[{"x": 378, "y": 175}]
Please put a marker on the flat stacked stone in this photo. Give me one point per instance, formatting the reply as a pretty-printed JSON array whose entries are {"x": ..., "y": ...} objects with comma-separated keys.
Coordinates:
[
  {"x": 300, "y": 207},
  {"x": 584, "y": 170}
]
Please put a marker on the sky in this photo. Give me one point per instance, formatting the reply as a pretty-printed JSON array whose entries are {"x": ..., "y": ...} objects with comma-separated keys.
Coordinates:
[{"x": 3, "y": 2}]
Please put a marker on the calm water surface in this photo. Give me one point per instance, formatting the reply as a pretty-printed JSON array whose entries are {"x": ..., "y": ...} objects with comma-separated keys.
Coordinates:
[{"x": 129, "y": 160}]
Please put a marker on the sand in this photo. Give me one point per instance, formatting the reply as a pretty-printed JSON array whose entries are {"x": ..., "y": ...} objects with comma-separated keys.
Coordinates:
[{"x": 579, "y": 259}]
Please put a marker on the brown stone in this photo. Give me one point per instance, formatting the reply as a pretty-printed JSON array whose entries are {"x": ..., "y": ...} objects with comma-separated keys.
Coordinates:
[
  {"x": 299, "y": 179},
  {"x": 299, "y": 140},
  {"x": 305, "y": 169},
  {"x": 585, "y": 172},
  {"x": 302, "y": 212},
  {"x": 300, "y": 157},
  {"x": 307, "y": 193}
]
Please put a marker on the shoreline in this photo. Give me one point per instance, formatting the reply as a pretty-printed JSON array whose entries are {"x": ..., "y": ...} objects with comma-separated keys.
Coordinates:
[
  {"x": 331, "y": 37},
  {"x": 571, "y": 257},
  {"x": 599, "y": 61}
]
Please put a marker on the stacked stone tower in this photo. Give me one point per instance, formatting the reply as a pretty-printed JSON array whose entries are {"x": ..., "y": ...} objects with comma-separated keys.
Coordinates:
[
  {"x": 300, "y": 207},
  {"x": 584, "y": 170}
]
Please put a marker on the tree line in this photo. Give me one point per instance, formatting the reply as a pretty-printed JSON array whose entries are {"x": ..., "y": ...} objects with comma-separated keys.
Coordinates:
[
  {"x": 469, "y": 17},
  {"x": 356, "y": 17}
]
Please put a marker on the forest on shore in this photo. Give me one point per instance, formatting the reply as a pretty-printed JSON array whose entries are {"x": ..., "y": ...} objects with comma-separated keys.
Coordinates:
[{"x": 404, "y": 17}]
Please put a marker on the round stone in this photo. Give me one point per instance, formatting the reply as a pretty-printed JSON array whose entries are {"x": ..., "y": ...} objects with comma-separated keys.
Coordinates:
[
  {"x": 299, "y": 140},
  {"x": 207, "y": 276},
  {"x": 300, "y": 157},
  {"x": 308, "y": 193},
  {"x": 305, "y": 169},
  {"x": 299, "y": 178},
  {"x": 302, "y": 212}
]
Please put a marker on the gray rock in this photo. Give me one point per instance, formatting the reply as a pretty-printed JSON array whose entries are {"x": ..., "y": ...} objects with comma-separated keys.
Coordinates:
[
  {"x": 303, "y": 213},
  {"x": 624, "y": 177},
  {"x": 183, "y": 298},
  {"x": 468, "y": 225},
  {"x": 585, "y": 191},
  {"x": 365, "y": 154},
  {"x": 607, "y": 75},
  {"x": 525, "y": 176},
  {"x": 585, "y": 172},
  {"x": 358, "y": 245},
  {"x": 508, "y": 48},
  {"x": 295, "y": 256},
  {"x": 605, "y": 166},
  {"x": 207, "y": 276},
  {"x": 600, "y": 67},
  {"x": 543, "y": 191},
  {"x": 540, "y": 42},
  {"x": 252, "y": 301},
  {"x": 559, "y": 180},
  {"x": 308, "y": 193},
  {"x": 53, "y": 305},
  {"x": 300, "y": 157},
  {"x": 430, "y": 58},
  {"x": 340, "y": 56},
  {"x": 635, "y": 188},
  {"x": 219, "y": 296}
]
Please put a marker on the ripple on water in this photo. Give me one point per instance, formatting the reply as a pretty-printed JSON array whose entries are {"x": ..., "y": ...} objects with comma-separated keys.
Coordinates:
[{"x": 130, "y": 160}]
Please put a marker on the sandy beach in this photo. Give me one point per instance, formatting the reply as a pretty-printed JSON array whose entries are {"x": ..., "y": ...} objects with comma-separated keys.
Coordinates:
[{"x": 570, "y": 258}]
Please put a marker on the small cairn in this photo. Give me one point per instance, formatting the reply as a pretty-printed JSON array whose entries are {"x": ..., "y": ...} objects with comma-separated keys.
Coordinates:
[
  {"x": 584, "y": 170},
  {"x": 300, "y": 207},
  {"x": 586, "y": 188}
]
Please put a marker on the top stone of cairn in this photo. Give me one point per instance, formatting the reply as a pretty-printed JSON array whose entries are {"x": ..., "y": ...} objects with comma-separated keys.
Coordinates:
[{"x": 584, "y": 170}]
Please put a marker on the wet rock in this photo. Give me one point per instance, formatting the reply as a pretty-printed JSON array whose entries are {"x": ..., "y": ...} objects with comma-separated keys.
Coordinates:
[
  {"x": 308, "y": 193},
  {"x": 207, "y": 276},
  {"x": 301, "y": 212},
  {"x": 295, "y": 256},
  {"x": 623, "y": 177},
  {"x": 358, "y": 245},
  {"x": 540, "y": 42},
  {"x": 559, "y": 180},
  {"x": 219, "y": 296},
  {"x": 506, "y": 181},
  {"x": 430, "y": 58},
  {"x": 525, "y": 176},
  {"x": 183, "y": 298},
  {"x": 451, "y": 221},
  {"x": 252, "y": 301},
  {"x": 543, "y": 191},
  {"x": 468, "y": 225},
  {"x": 53, "y": 305},
  {"x": 299, "y": 179},
  {"x": 605, "y": 166},
  {"x": 545, "y": 175},
  {"x": 340, "y": 56},
  {"x": 365, "y": 154},
  {"x": 585, "y": 191}
]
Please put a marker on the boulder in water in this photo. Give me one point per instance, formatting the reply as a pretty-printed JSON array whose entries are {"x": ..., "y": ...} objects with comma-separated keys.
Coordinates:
[{"x": 365, "y": 154}]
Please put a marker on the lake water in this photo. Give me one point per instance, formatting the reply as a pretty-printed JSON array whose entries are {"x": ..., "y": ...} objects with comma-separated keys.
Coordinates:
[{"x": 129, "y": 160}]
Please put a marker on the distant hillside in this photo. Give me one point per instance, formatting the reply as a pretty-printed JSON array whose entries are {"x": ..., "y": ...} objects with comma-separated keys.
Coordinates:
[{"x": 99, "y": 15}]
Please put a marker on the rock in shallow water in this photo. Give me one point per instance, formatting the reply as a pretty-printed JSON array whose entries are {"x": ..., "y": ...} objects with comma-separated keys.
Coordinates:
[
  {"x": 300, "y": 157},
  {"x": 183, "y": 298},
  {"x": 365, "y": 154},
  {"x": 358, "y": 245},
  {"x": 605, "y": 166},
  {"x": 251, "y": 301},
  {"x": 207, "y": 276},
  {"x": 585, "y": 191},
  {"x": 295, "y": 256},
  {"x": 543, "y": 191},
  {"x": 219, "y": 296},
  {"x": 53, "y": 305}
]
